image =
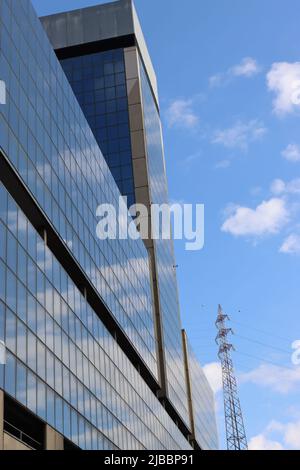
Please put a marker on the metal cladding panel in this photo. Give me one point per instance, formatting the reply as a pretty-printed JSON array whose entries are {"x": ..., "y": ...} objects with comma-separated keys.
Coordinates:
[
  {"x": 145, "y": 53},
  {"x": 98, "y": 23},
  {"x": 56, "y": 29},
  {"x": 75, "y": 31},
  {"x": 89, "y": 24}
]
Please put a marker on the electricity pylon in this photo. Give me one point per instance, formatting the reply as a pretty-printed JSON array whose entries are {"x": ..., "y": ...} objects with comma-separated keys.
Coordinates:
[{"x": 235, "y": 430}]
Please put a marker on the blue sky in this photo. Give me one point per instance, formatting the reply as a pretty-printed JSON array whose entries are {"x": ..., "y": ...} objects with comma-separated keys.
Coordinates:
[{"x": 228, "y": 75}]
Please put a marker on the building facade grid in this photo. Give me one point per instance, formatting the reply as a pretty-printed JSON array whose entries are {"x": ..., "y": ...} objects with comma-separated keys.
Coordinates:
[
  {"x": 61, "y": 361},
  {"x": 48, "y": 140},
  {"x": 99, "y": 83}
]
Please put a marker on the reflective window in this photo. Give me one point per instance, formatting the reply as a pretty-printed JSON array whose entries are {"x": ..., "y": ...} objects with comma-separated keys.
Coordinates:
[
  {"x": 99, "y": 83},
  {"x": 203, "y": 405}
]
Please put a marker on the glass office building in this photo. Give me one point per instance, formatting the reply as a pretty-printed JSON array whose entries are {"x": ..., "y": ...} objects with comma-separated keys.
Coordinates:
[
  {"x": 99, "y": 83},
  {"x": 79, "y": 316},
  {"x": 114, "y": 80}
]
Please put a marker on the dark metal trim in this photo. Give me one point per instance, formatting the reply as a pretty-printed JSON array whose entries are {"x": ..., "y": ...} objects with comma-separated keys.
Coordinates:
[{"x": 120, "y": 42}]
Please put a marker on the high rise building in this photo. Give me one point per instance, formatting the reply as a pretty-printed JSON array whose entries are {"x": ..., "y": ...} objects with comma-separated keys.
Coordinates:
[{"x": 92, "y": 329}]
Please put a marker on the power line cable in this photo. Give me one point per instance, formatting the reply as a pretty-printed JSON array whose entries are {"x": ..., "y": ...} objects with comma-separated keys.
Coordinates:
[
  {"x": 285, "y": 351},
  {"x": 265, "y": 360},
  {"x": 261, "y": 331},
  {"x": 276, "y": 348},
  {"x": 256, "y": 329}
]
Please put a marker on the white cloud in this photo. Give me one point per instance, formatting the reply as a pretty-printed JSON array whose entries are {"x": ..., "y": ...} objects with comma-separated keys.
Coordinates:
[
  {"x": 181, "y": 114},
  {"x": 287, "y": 436},
  {"x": 291, "y": 153},
  {"x": 255, "y": 191},
  {"x": 267, "y": 218},
  {"x": 191, "y": 158},
  {"x": 291, "y": 245},
  {"x": 291, "y": 434},
  {"x": 293, "y": 411},
  {"x": 278, "y": 186},
  {"x": 213, "y": 372},
  {"x": 293, "y": 186},
  {"x": 261, "y": 442},
  {"x": 188, "y": 162},
  {"x": 222, "y": 164},
  {"x": 248, "y": 67},
  {"x": 283, "y": 80},
  {"x": 216, "y": 80},
  {"x": 279, "y": 379},
  {"x": 240, "y": 135}
]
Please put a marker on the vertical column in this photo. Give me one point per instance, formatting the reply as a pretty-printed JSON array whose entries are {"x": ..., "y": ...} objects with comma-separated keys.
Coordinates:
[
  {"x": 188, "y": 383},
  {"x": 137, "y": 132},
  {"x": 1, "y": 420},
  {"x": 142, "y": 190},
  {"x": 53, "y": 440}
]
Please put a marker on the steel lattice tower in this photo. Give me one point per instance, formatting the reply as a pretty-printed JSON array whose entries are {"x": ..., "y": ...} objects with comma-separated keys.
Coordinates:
[{"x": 235, "y": 430}]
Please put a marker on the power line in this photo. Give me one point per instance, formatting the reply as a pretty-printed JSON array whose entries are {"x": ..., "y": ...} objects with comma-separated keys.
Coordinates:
[
  {"x": 285, "y": 351},
  {"x": 202, "y": 332},
  {"x": 257, "y": 357},
  {"x": 261, "y": 331},
  {"x": 268, "y": 333},
  {"x": 265, "y": 360},
  {"x": 276, "y": 348},
  {"x": 254, "y": 341}
]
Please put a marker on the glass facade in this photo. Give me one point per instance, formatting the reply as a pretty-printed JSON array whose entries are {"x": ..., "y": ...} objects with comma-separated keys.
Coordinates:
[
  {"x": 62, "y": 363},
  {"x": 165, "y": 260},
  {"x": 48, "y": 140},
  {"x": 99, "y": 83},
  {"x": 44, "y": 319},
  {"x": 203, "y": 401}
]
